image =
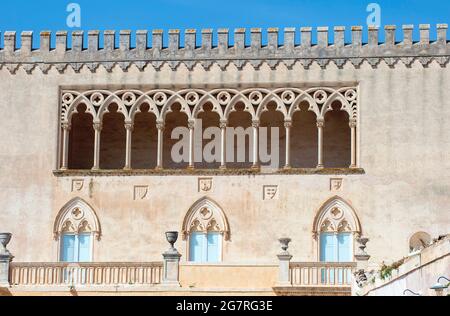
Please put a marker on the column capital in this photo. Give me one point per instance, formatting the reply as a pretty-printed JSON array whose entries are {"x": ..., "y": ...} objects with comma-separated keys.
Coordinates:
[
  {"x": 255, "y": 123},
  {"x": 191, "y": 124},
  {"x": 352, "y": 123},
  {"x": 160, "y": 125},
  {"x": 66, "y": 126},
  {"x": 223, "y": 123},
  {"x": 320, "y": 122},
  {"x": 98, "y": 126},
  {"x": 288, "y": 124},
  {"x": 129, "y": 126}
]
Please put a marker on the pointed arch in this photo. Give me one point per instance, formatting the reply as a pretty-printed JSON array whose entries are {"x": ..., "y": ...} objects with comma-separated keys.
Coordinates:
[
  {"x": 203, "y": 216},
  {"x": 336, "y": 215},
  {"x": 77, "y": 216}
]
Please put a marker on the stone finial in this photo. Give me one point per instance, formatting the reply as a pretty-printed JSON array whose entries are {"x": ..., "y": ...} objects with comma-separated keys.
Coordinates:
[
  {"x": 61, "y": 41},
  {"x": 373, "y": 36},
  {"x": 10, "y": 41},
  {"x": 322, "y": 36},
  {"x": 339, "y": 36},
  {"x": 45, "y": 38},
  {"x": 93, "y": 40},
  {"x": 171, "y": 262},
  {"x": 289, "y": 38},
  {"x": 356, "y": 36},
  {"x": 305, "y": 34},
  {"x": 361, "y": 253},
  {"x": 77, "y": 41},
  {"x": 5, "y": 259},
  {"x": 207, "y": 39},
  {"x": 408, "y": 34},
  {"x": 26, "y": 42},
  {"x": 284, "y": 262},
  {"x": 285, "y": 245},
  {"x": 442, "y": 33},
  {"x": 424, "y": 30}
]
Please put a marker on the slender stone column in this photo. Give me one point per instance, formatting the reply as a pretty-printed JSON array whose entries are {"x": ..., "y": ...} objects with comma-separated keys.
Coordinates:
[
  {"x": 159, "y": 160},
  {"x": 320, "y": 124},
  {"x": 191, "y": 126},
  {"x": 98, "y": 130},
  {"x": 352, "y": 125},
  {"x": 287, "y": 126},
  {"x": 223, "y": 142},
  {"x": 65, "y": 150},
  {"x": 129, "y": 127},
  {"x": 255, "y": 125},
  {"x": 5, "y": 259}
]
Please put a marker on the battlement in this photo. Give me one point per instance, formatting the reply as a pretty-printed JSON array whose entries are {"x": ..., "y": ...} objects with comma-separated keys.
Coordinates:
[{"x": 246, "y": 47}]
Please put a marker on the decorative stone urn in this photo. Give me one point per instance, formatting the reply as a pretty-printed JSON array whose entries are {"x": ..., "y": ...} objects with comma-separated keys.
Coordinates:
[
  {"x": 5, "y": 238},
  {"x": 362, "y": 241},
  {"x": 285, "y": 243},
  {"x": 172, "y": 238}
]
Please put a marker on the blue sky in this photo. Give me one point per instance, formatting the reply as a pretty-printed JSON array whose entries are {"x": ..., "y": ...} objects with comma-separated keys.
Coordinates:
[{"x": 51, "y": 15}]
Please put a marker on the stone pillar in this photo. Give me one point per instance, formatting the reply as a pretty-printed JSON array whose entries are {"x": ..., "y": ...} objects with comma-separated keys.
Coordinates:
[
  {"x": 159, "y": 160},
  {"x": 362, "y": 258},
  {"x": 352, "y": 125},
  {"x": 255, "y": 125},
  {"x": 98, "y": 130},
  {"x": 129, "y": 128},
  {"x": 65, "y": 150},
  {"x": 171, "y": 262},
  {"x": 284, "y": 258},
  {"x": 5, "y": 259},
  {"x": 287, "y": 126},
  {"x": 320, "y": 124},
  {"x": 191, "y": 126},
  {"x": 223, "y": 142}
]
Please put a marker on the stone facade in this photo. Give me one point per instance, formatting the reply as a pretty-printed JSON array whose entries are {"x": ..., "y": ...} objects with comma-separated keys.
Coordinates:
[{"x": 397, "y": 147}]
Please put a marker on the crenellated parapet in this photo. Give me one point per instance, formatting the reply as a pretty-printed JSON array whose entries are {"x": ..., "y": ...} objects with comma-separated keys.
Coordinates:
[{"x": 150, "y": 50}]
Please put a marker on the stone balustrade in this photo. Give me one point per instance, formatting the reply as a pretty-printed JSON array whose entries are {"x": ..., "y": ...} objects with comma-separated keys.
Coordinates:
[
  {"x": 321, "y": 273},
  {"x": 61, "y": 273}
]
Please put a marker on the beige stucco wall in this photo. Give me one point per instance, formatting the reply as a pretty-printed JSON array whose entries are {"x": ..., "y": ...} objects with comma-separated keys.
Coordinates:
[{"x": 403, "y": 139}]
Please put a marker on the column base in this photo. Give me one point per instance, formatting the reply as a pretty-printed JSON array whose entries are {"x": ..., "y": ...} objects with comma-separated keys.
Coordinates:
[
  {"x": 353, "y": 167},
  {"x": 63, "y": 168},
  {"x": 223, "y": 167},
  {"x": 320, "y": 167},
  {"x": 170, "y": 284},
  {"x": 159, "y": 168},
  {"x": 95, "y": 169},
  {"x": 127, "y": 168},
  {"x": 256, "y": 167},
  {"x": 190, "y": 168},
  {"x": 287, "y": 167}
]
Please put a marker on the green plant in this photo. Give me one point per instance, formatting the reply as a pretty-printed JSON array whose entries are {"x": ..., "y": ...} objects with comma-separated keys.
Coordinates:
[{"x": 386, "y": 271}]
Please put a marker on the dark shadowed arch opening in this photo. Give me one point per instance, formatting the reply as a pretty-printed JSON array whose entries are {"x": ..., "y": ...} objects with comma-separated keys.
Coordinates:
[
  {"x": 81, "y": 140},
  {"x": 113, "y": 140},
  {"x": 144, "y": 143},
  {"x": 209, "y": 119},
  {"x": 304, "y": 138},
  {"x": 174, "y": 120},
  {"x": 239, "y": 123},
  {"x": 336, "y": 138},
  {"x": 273, "y": 122}
]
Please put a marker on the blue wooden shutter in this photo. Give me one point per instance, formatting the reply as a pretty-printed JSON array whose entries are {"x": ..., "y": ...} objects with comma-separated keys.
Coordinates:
[
  {"x": 68, "y": 248},
  {"x": 213, "y": 251},
  {"x": 196, "y": 245},
  {"x": 328, "y": 247},
  {"x": 84, "y": 248},
  {"x": 345, "y": 247}
]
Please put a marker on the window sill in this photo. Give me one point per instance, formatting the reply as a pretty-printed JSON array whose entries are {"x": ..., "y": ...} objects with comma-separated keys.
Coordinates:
[{"x": 211, "y": 172}]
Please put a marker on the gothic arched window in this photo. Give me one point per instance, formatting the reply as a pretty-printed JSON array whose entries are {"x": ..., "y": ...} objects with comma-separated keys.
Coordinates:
[
  {"x": 76, "y": 227},
  {"x": 205, "y": 228}
]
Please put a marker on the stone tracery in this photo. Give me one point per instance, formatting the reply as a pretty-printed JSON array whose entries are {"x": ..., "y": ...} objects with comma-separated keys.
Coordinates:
[{"x": 192, "y": 101}]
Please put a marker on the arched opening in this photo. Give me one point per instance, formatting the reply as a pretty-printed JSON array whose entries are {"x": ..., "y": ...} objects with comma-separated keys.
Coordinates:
[
  {"x": 75, "y": 228},
  {"x": 113, "y": 140},
  {"x": 211, "y": 141},
  {"x": 239, "y": 138},
  {"x": 205, "y": 228},
  {"x": 176, "y": 125},
  {"x": 274, "y": 136},
  {"x": 336, "y": 138},
  {"x": 144, "y": 144},
  {"x": 419, "y": 241},
  {"x": 304, "y": 138},
  {"x": 81, "y": 140}
]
